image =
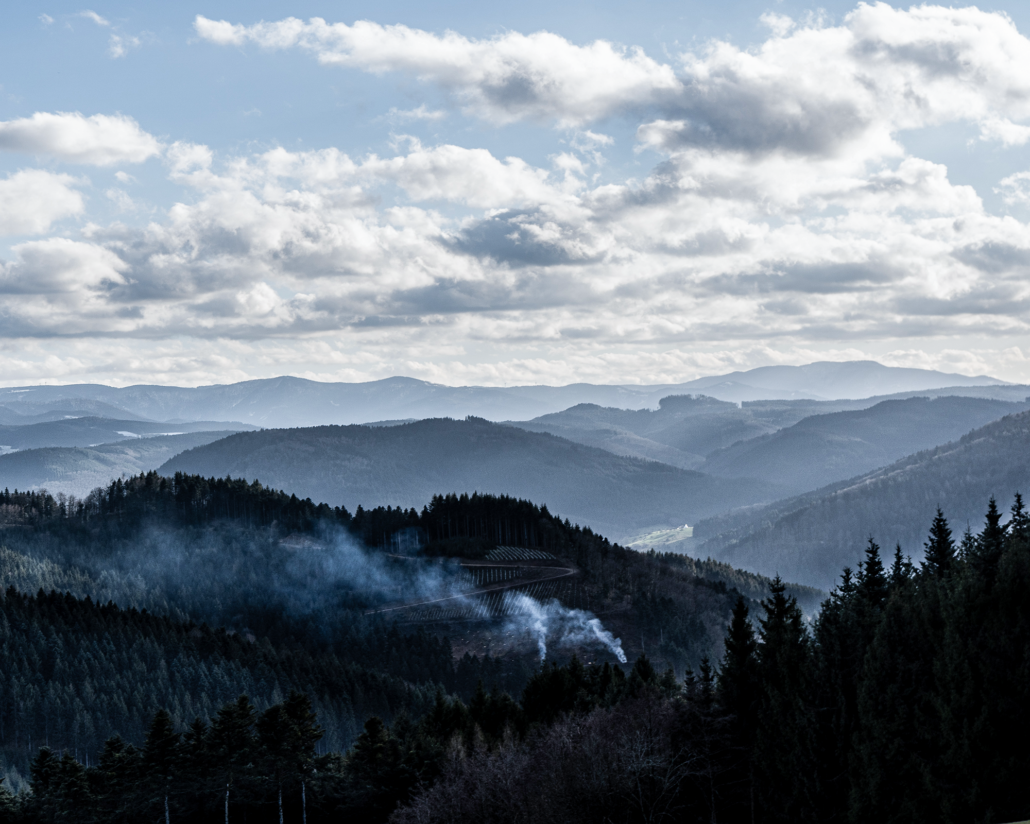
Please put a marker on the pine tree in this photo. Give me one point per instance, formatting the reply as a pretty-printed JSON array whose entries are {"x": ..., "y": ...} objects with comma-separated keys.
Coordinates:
[
  {"x": 231, "y": 745},
  {"x": 901, "y": 569},
  {"x": 1019, "y": 523},
  {"x": 160, "y": 757},
  {"x": 990, "y": 543},
  {"x": 784, "y": 742},
  {"x": 872, "y": 581},
  {"x": 940, "y": 548}
]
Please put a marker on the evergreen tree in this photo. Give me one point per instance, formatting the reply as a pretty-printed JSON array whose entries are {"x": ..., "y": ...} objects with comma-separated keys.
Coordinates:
[
  {"x": 160, "y": 759},
  {"x": 1019, "y": 523},
  {"x": 231, "y": 744},
  {"x": 784, "y": 740},
  {"x": 940, "y": 548}
]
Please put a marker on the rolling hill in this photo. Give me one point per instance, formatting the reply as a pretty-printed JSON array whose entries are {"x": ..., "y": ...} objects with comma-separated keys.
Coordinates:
[
  {"x": 78, "y": 470},
  {"x": 407, "y": 464},
  {"x": 821, "y": 449},
  {"x": 809, "y": 538},
  {"x": 287, "y": 401},
  {"x": 92, "y": 431}
]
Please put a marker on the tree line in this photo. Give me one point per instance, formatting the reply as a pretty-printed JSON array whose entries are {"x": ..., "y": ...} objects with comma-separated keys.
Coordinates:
[{"x": 904, "y": 701}]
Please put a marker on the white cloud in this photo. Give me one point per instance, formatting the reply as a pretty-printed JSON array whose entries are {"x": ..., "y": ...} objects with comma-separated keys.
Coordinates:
[
  {"x": 505, "y": 78},
  {"x": 32, "y": 199},
  {"x": 1015, "y": 189},
  {"x": 120, "y": 44},
  {"x": 779, "y": 24},
  {"x": 809, "y": 89},
  {"x": 96, "y": 18},
  {"x": 783, "y": 221},
  {"x": 98, "y": 140},
  {"x": 1004, "y": 131},
  {"x": 420, "y": 113},
  {"x": 46, "y": 19}
]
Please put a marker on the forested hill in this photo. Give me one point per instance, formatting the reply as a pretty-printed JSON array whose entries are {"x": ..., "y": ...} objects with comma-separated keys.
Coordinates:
[
  {"x": 183, "y": 592},
  {"x": 77, "y": 470},
  {"x": 406, "y": 465},
  {"x": 905, "y": 701},
  {"x": 811, "y": 537},
  {"x": 822, "y": 449}
]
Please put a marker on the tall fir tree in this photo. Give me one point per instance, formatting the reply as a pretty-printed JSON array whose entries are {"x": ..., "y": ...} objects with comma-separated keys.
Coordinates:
[{"x": 940, "y": 548}]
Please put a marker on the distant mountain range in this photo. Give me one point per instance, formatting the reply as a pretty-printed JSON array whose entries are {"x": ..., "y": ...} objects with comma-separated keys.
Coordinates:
[
  {"x": 762, "y": 481},
  {"x": 821, "y": 449},
  {"x": 79, "y": 470},
  {"x": 286, "y": 401},
  {"x": 406, "y": 465},
  {"x": 809, "y": 538},
  {"x": 93, "y": 431}
]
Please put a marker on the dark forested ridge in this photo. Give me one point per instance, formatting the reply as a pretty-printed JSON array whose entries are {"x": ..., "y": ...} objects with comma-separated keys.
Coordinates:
[
  {"x": 406, "y": 465},
  {"x": 809, "y": 538},
  {"x": 185, "y": 592},
  {"x": 906, "y": 701}
]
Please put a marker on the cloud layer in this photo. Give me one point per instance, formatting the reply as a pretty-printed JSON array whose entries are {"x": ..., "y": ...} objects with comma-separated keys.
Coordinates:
[
  {"x": 98, "y": 140},
  {"x": 781, "y": 216}
]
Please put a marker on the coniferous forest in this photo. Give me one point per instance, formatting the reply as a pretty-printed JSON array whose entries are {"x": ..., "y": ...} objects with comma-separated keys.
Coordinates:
[{"x": 151, "y": 671}]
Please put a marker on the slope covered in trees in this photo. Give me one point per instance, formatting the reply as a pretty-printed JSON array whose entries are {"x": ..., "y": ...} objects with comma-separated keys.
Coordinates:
[
  {"x": 112, "y": 603},
  {"x": 406, "y": 465},
  {"x": 810, "y": 537},
  {"x": 79, "y": 470},
  {"x": 825, "y": 448},
  {"x": 906, "y": 701}
]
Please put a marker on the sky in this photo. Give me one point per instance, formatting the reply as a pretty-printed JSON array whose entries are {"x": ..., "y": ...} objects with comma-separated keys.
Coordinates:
[{"x": 542, "y": 193}]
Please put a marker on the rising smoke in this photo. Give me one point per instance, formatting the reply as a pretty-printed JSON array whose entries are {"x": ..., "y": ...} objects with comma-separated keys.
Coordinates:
[{"x": 559, "y": 625}]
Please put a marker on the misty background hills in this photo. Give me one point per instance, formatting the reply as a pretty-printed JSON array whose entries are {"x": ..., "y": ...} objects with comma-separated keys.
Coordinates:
[
  {"x": 636, "y": 463},
  {"x": 406, "y": 465},
  {"x": 79, "y": 470},
  {"x": 93, "y": 431},
  {"x": 286, "y": 401},
  {"x": 821, "y": 449},
  {"x": 812, "y": 536}
]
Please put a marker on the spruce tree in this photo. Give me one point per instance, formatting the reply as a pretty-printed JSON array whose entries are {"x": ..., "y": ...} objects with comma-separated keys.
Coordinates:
[
  {"x": 160, "y": 757},
  {"x": 1019, "y": 523},
  {"x": 784, "y": 742},
  {"x": 940, "y": 548},
  {"x": 231, "y": 745},
  {"x": 990, "y": 543}
]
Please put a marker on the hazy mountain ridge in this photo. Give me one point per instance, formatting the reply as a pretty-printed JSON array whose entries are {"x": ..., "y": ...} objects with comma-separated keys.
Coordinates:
[
  {"x": 78, "y": 470},
  {"x": 809, "y": 538},
  {"x": 93, "y": 431},
  {"x": 287, "y": 401},
  {"x": 406, "y": 464},
  {"x": 687, "y": 429},
  {"x": 822, "y": 449}
]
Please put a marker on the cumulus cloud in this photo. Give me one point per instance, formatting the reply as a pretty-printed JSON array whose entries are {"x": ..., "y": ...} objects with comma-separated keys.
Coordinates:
[
  {"x": 782, "y": 218},
  {"x": 32, "y": 199},
  {"x": 120, "y": 44},
  {"x": 505, "y": 78},
  {"x": 98, "y": 140}
]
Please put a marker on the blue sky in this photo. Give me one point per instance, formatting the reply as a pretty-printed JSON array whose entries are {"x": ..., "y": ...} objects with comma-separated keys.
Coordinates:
[{"x": 544, "y": 193}]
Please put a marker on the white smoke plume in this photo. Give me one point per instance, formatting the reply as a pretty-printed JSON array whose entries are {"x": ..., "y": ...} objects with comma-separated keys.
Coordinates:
[{"x": 558, "y": 624}]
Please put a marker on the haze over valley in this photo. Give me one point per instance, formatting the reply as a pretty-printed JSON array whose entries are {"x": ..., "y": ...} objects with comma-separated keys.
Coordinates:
[{"x": 453, "y": 413}]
